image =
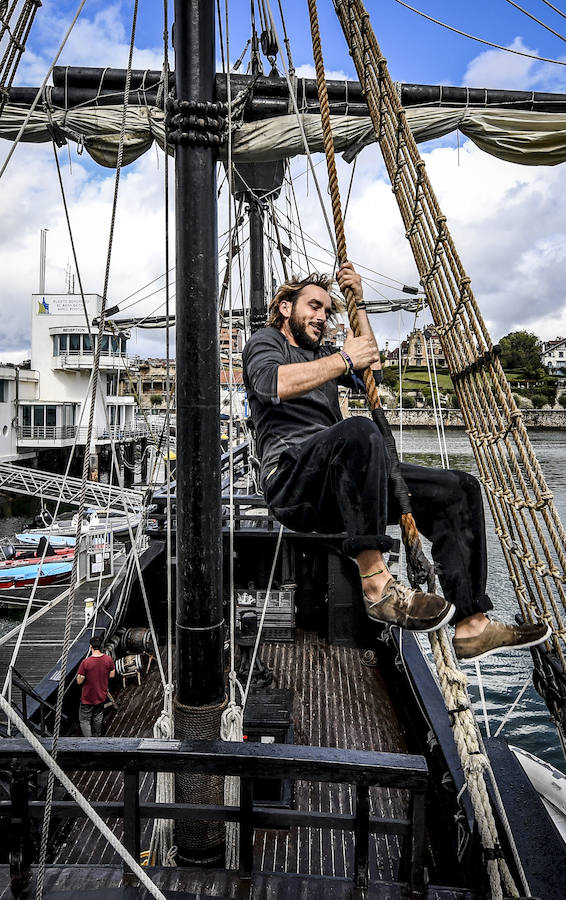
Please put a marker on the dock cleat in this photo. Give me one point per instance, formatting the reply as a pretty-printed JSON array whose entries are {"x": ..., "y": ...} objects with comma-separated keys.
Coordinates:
[
  {"x": 408, "y": 608},
  {"x": 498, "y": 636}
]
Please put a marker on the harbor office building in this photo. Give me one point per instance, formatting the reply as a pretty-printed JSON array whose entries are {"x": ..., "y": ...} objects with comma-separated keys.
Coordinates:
[{"x": 51, "y": 400}]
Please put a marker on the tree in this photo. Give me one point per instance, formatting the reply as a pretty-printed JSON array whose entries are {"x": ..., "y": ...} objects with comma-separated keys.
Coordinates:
[
  {"x": 521, "y": 350},
  {"x": 156, "y": 399},
  {"x": 538, "y": 400},
  {"x": 390, "y": 377}
]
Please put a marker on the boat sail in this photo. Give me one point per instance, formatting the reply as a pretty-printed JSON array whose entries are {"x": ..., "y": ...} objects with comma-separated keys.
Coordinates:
[{"x": 197, "y": 121}]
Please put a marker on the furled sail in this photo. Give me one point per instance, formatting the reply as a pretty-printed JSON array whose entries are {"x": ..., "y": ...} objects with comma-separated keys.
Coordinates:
[{"x": 519, "y": 136}]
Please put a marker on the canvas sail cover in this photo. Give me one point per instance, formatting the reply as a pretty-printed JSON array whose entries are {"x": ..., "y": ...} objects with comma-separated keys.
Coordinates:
[{"x": 530, "y": 138}]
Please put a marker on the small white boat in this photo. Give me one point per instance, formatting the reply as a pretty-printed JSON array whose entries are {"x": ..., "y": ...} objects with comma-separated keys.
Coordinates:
[
  {"x": 549, "y": 783},
  {"x": 93, "y": 521},
  {"x": 57, "y": 540}
]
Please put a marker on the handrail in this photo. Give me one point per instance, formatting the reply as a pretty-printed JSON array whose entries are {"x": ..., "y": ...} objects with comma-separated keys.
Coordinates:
[
  {"x": 131, "y": 756},
  {"x": 26, "y": 690}
]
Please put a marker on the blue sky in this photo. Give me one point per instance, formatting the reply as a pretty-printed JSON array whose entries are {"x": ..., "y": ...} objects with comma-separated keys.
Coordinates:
[
  {"x": 507, "y": 219},
  {"x": 417, "y": 50}
]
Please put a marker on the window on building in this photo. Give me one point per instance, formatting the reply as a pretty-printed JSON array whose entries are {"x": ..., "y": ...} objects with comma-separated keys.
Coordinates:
[
  {"x": 62, "y": 343},
  {"x": 55, "y": 345},
  {"x": 560, "y": 354},
  {"x": 51, "y": 416},
  {"x": 114, "y": 343},
  {"x": 3, "y": 390},
  {"x": 38, "y": 415},
  {"x": 75, "y": 343},
  {"x": 123, "y": 345},
  {"x": 68, "y": 415},
  {"x": 104, "y": 344},
  {"x": 112, "y": 385},
  {"x": 87, "y": 343}
]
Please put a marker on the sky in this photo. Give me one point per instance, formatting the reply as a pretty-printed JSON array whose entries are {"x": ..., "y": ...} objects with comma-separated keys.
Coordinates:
[{"x": 507, "y": 220}]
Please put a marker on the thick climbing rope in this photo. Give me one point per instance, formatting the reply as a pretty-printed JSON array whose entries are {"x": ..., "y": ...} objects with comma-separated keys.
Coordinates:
[
  {"x": 419, "y": 568},
  {"x": 491, "y": 415}
]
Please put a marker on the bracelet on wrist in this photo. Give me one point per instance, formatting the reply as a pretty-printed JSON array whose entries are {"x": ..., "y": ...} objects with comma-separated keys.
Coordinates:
[
  {"x": 349, "y": 366},
  {"x": 361, "y": 305}
]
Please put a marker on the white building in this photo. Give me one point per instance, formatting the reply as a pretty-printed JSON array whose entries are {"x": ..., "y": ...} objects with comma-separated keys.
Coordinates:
[
  {"x": 553, "y": 355},
  {"x": 17, "y": 384},
  {"x": 62, "y": 354}
]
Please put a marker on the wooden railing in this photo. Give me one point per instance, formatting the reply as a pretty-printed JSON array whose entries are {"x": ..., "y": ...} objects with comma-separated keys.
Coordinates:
[{"x": 131, "y": 756}]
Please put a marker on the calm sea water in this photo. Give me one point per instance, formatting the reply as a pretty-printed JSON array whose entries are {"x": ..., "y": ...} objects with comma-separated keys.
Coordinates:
[{"x": 503, "y": 675}]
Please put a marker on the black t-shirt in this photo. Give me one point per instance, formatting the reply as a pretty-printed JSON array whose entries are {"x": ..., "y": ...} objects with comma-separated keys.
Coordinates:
[{"x": 280, "y": 424}]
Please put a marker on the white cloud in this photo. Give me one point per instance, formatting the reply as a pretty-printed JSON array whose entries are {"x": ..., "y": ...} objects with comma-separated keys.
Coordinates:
[
  {"x": 307, "y": 70},
  {"x": 32, "y": 200},
  {"x": 106, "y": 29},
  {"x": 500, "y": 70},
  {"x": 505, "y": 219}
]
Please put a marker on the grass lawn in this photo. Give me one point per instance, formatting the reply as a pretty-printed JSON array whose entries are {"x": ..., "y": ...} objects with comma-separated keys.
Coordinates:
[{"x": 414, "y": 378}]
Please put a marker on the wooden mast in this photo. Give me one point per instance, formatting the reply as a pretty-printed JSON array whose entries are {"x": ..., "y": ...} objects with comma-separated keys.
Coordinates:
[{"x": 200, "y": 694}]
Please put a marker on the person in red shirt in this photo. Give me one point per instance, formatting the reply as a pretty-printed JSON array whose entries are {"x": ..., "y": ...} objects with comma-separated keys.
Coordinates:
[{"x": 93, "y": 674}]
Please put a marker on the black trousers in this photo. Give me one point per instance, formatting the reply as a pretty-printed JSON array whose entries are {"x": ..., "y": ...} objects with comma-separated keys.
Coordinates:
[{"x": 338, "y": 481}]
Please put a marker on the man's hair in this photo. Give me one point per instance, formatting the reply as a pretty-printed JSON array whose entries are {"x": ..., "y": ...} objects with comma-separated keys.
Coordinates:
[
  {"x": 96, "y": 642},
  {"x": 290, "y": 289}
]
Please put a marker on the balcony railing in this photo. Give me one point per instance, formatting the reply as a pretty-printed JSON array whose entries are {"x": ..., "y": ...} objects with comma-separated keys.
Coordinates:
[
  {"x": 68, "y": 432},
  {"x": 46, "y": 432},
  {"x": 72, "y": 357}
]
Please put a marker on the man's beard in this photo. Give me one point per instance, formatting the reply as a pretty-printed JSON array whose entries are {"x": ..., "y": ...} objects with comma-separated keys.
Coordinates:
[{"x": 301, "y": 336}]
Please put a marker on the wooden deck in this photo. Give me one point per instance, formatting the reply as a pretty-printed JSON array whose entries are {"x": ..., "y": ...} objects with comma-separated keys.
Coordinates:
[
  {"x": 338, "y": 702},
  {"x": 42, "y": 644},
  {"x": 98, "y": 883}
]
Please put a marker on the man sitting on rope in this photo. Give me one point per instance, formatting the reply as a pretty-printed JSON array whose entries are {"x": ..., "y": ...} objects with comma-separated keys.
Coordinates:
[{"x": 320, "y": 472}]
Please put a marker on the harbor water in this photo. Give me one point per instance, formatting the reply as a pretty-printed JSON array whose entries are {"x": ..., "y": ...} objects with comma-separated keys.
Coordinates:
[{"x": 503, "y": 675}]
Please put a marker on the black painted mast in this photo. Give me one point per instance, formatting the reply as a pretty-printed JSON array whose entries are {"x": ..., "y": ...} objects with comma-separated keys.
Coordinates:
[{"x": 200, "y": 631}]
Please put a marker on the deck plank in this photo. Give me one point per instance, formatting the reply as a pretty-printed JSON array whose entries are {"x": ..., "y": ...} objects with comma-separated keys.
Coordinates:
[{"x": 337, "y": 702}]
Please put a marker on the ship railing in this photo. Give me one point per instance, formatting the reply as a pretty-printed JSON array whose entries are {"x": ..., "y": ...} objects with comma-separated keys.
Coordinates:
[
  {"x": 360, "y": 769},
  {"x": 18, "y": 682}
]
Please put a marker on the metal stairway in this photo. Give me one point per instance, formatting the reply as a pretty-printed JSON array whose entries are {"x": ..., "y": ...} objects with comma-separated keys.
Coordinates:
[{"x": 49, "y": 486}]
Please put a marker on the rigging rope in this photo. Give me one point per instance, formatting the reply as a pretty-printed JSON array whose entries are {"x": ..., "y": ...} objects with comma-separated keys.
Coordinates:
[
  {"x": 519, "y": 499},
  {"x": 74, "y": 573},
  {"x": 56, "y": 771},
  {"x": 538, "y": 21},
  {"x": 41, "y": 89},
  {"x": 556, "y": 62}
]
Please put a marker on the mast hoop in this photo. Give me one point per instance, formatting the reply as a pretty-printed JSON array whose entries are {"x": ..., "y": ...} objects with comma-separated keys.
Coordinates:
[{"x": 196, "y": 123}]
